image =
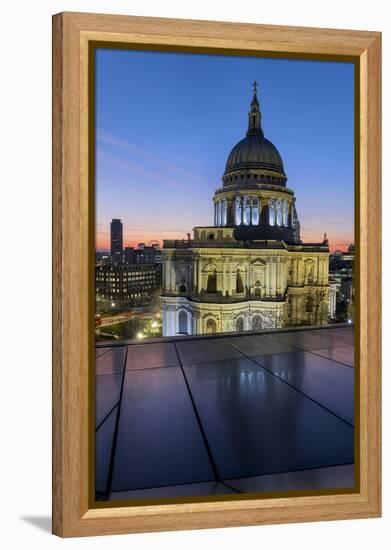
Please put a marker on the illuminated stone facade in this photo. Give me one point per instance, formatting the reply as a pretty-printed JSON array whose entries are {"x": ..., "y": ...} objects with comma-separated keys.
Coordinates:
[{"x": 250, "y": 270}]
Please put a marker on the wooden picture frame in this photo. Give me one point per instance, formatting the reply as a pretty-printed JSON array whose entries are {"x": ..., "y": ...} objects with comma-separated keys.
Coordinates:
[{"x": 73, "y": 514}]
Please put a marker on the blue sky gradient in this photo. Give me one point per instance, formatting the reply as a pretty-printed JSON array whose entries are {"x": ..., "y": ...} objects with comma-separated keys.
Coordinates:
[{"x": 166, "y": 122}]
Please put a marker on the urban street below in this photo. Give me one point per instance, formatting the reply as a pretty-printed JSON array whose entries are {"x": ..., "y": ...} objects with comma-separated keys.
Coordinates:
[{"x": 226, "y": 414}]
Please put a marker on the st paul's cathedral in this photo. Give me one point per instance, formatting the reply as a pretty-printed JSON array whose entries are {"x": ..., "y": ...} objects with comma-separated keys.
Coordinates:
[{"x": 250, "y": 270}]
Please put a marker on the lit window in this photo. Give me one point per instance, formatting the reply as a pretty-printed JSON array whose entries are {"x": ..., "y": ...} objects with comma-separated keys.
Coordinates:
[
  {"x": 285, "y": 211},
  {"x": 247, "y": 211},
  {"x": 279, "y": 212},
  {"x": 272, "y": 212},
  {"x": 255, "y": 211},
  {"x": 224, "y": 212},
  {"x": 238, "y": 210},
  {"x": 219, "y": 213}
]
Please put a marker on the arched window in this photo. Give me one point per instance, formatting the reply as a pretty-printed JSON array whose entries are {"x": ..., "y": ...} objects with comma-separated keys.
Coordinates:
[
  {"x": 309, "y": 304},
  {"x": 211, "y": 286},
  {"x": 182, "y": 322},
  {"x": 257, "y": 322},
  {"x": 210, "y": 326},
  {"x": 239, "y": 282},
  {"x": 247, "y": 211},
  {"x": 238, "y": 210},
  {"x": 255, "y": 211},
  {"x": 240, "y": 324}
]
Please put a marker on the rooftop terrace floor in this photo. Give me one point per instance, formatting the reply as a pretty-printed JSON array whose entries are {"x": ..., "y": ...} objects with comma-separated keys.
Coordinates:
[{"x": 240, "y": 414}]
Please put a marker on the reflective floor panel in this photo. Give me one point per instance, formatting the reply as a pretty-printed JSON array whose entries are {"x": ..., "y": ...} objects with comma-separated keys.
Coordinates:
[
  {"x": 258, "y": 345},
  {"x": 335, "y": 477},
  {"x": 314, "y": 339},
  {"x": 253, "y": 413},
  {"x": 149, "y": 356},
  {"x": 159, "y": 440},
  {"x": 343, "y": 355},
  {"x": 330, "y": 384},
  {"x": 108, "y": 389},
  {"x": 112, "y": 362},
  {"x": 103, "y": 448},
  {"x": 198, "y": 351},
  {"x": 257, "y": 424}
]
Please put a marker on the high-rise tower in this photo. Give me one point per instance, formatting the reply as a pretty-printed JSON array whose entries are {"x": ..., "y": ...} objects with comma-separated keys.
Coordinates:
[{"x": 116, "y": 239}]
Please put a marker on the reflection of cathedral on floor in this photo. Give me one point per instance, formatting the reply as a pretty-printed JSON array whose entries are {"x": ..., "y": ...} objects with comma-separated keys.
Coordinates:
[{"x": 250, "y": 270}]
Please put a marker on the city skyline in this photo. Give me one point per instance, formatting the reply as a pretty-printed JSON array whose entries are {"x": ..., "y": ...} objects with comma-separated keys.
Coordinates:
[{"x": 166, "y": 123}]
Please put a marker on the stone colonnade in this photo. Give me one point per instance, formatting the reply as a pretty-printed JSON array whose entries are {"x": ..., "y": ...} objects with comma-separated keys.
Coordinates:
[{"x": 253, "y": 210}]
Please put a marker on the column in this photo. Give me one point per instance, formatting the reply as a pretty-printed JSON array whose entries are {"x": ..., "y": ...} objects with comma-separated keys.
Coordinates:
[
  {"x": 173, "y": 321},
  {"x": 199, "y": 276},
  {"x": 164, "y": 327},
  {"x": 255, "y": 211},
  {"x": 230, "y": 277},
  {"x": 279, "y": 212},
  {"x": 317, "y": 280},
  {"x": 194, "y": 271},
  {"x": 274, "y": 276},
  {"x": 272, "y": 212},
  {"x": 165, "y": 274},
  {"x": 230, "y": 211},
  {"x": 225, "y": 212},
  {"x": 278, "y": 275},
  {"x": 268, "y": 276},
  {"x": 172, "y": 277},
  {"x": 223, "y": 283},
  {"x": 168, "y": 287},
  {"x": 284, "y": 212}
]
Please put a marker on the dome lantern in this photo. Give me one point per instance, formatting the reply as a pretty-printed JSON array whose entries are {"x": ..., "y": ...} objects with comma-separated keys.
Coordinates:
[
  {"x": 255, "y": 115},
  {"x": 254, "y": 158}
]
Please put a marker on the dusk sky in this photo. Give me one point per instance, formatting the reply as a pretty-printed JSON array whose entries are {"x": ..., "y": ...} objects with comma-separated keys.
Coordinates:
[{"x": 166, "y": 122}]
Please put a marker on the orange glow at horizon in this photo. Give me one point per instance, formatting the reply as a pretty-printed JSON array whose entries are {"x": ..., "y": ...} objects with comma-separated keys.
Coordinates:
[{"x": 336, "y": 241}]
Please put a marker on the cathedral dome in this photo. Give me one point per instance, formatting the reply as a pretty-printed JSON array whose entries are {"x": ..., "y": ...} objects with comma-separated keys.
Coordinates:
[
  {"x": 255, "y": 151},
  {"x": 254, "y": 158}
]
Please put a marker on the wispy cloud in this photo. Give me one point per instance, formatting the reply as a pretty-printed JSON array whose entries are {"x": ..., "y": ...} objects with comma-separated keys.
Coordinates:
[
  {"x": 151, "y": 177},
  {"x": 105, "y": 137}
]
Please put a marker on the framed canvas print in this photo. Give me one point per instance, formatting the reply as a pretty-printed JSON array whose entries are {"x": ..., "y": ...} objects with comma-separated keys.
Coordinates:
[{"x": 216, "y": 230}]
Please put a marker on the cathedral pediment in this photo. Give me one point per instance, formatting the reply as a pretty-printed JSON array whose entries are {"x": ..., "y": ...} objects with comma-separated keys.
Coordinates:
[{"x": 258, "y": 263}]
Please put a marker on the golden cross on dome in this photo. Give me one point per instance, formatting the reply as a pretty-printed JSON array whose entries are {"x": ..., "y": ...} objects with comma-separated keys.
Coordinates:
[{"x": 255, "y": 84}]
